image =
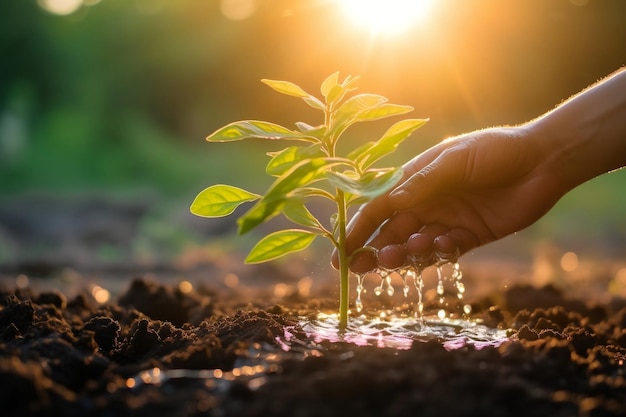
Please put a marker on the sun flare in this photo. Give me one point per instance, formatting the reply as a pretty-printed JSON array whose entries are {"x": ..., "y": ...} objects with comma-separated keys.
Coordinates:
[{"x": 386, "y": 16}]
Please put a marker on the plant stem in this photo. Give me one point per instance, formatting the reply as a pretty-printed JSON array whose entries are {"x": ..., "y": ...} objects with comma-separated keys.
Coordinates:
[{"x": 344, "y": 271}]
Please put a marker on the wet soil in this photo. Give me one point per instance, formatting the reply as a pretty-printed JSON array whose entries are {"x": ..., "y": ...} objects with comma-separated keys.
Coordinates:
[{"x": 73, "y": 356}]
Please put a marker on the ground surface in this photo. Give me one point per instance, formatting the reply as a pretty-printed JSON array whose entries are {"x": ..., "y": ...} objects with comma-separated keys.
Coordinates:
[
  {"x": 79, "y": 357},
  {"x": 101, "y": 316}
]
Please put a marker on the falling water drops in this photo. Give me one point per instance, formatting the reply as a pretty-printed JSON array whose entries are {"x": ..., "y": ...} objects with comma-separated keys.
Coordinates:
[
  {"x": 359, "y": 290},
  {"x": 405, "y": 286},
  {"x": 390, "y": 289},
  {"x": 440, "y": 289},
  {"x": 449, "y": 288}
]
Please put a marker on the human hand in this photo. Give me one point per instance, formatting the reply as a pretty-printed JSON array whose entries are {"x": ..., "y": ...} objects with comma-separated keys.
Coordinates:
[{"x": 462, "y": 193}]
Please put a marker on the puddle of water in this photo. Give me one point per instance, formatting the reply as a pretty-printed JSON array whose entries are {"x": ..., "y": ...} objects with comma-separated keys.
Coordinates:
[
  {"x": 261, "y": 360},
  {"x": 402, "y": 332},
  {"x": 252, "y": 368}
]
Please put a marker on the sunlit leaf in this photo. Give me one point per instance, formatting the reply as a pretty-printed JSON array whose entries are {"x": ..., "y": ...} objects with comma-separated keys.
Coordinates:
[
  {"x": 296, "y": 211},
  {"x": 286, "y": 87},
  {"x": 220, "y": 200},
  {"x": 284, "y": 160},
  {"x": 313, "y": 192},
  {"x": 384, "y": 110},
  {"x": 304, "y": 127},
  {"x": 291, "y": 89},
  {"x": 362, "y": 149},
  {"x": 349, "y": 81},
  {"x": 329, "y": 83},
  {"x": 347, "y": 86},
  {"x": 280, "y": 243},
  {"x": 247, "y": 129},
  {"x": 388, "y": 143},
  {"x": 351, "y": 109},
  {"x": 314, "y": 102},
  {"x": 315, "y": 131},
  {"x": 370, "y": 185},
  {"x": 301, "y": 175}
]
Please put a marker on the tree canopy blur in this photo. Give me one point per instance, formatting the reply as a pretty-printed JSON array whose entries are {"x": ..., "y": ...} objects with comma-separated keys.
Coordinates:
[{"x": 121, "y": 93}]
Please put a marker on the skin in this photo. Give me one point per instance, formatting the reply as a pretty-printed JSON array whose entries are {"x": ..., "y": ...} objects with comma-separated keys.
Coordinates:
[{"x": 476, "y": 188}]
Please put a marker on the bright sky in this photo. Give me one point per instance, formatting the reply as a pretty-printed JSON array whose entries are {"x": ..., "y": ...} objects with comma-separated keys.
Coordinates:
[{"x": 385, "y": 17}]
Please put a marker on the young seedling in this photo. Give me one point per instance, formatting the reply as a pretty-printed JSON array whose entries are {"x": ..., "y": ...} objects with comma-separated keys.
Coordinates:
[{"x": 312, "y": 170}]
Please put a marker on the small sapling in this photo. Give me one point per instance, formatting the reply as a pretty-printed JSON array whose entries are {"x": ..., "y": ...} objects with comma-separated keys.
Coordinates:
[{"x": 311, "y": 168}]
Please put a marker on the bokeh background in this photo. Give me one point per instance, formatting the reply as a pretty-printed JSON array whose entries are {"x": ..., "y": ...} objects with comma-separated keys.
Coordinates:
[{"x": 104, "y": 105}]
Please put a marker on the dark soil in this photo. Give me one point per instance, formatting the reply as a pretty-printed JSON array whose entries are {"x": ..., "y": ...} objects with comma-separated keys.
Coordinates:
[{"x": 76, "y": 357}]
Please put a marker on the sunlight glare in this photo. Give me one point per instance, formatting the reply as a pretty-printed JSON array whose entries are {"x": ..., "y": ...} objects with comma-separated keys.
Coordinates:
[
  {"x": 60, "y": 7},
  {"x": 386, "y": 16}
]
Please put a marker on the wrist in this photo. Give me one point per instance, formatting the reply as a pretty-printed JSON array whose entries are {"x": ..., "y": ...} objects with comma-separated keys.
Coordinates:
[{"x": 585, "y": 136}]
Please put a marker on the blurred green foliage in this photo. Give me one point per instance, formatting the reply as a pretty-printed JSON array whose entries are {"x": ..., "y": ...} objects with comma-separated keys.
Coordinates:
[{"x": 120, "y": 94}]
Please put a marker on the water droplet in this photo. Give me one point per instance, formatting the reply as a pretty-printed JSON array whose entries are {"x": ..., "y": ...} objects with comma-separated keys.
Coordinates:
[
  {"x": 405, "y": 286},
  {"x": 359, "y": 289},
  {"x": 441, "y": 314},
  {"x": 418, "y": 282},
  {"x": 440, "y": 277},
  {"x": 467, "y": 309},
  {"x": 390, "y": 289}
]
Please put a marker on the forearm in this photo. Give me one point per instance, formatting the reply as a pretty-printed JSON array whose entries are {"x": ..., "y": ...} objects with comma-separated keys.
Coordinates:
[{"x": 586, "y": 135}]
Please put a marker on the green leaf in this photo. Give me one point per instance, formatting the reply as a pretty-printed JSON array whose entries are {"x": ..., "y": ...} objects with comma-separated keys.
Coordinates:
[
  {"x": 283, "y": 160},
  {"x": 305, "y": 127},
  {"x": 388, "y": 143},
  {"x": 329, "y": 83},
  {"x": 384, "y": 110},
  {"x": 296, "y": 211},
  {"x": 340, "y": 91},
  {"x": 351, "y": 109},
  {"x": 301, "y": 175},
  {"x": 304, "y": 192},
  {"x": 280, "y": 243},
  {"x": 314, "y": 102},
  {"x": 291, "y": 89},
  {"x": 247, "y": 129},
  {"x": 220, "y": 200},
  {"x": 286, "y": 87},
  {"x": 314, "y": 131},
  {"x": 370, "y": 185},
  {"x": 360, "y": 150}
]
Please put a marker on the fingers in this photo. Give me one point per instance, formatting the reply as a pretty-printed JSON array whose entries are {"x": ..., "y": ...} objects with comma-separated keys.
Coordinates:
[
  {"x": 432, "y": 244},
  {"x": 396, "y": 230}
]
